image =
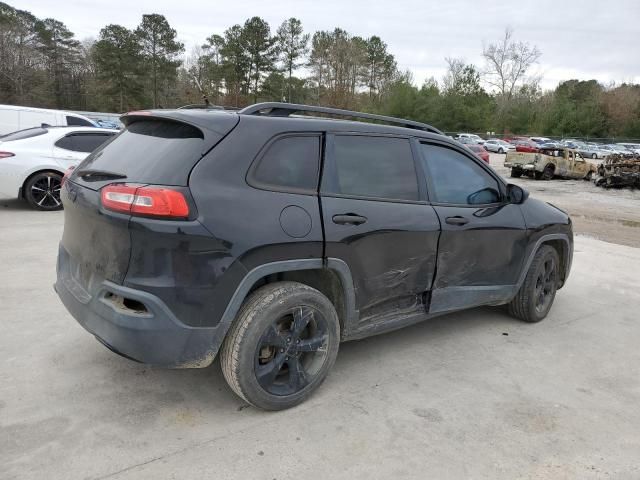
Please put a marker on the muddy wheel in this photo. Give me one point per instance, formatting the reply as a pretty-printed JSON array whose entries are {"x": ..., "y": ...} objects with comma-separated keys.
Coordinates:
[
  {"x": 281, "y": 346},
  {"x": 42, "y": 191},
  {"x": 589, "y": 176},
  {"x": 535, "y": 297}
]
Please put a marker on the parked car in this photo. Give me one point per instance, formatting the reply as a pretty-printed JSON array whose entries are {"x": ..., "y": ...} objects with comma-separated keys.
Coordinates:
[
  {"x": 480, "y": 151},
  {"x": 471, "y": 136},
  {"x": 592, "y": 151},
  {"x": 33, "y": 161},
  {"x": 614, "y": 150},
  {"x": 14, "y": 118},
  {"x": 549, "y": 163},
  {"x": 540, "y": 140},
  {"x": 634, "y": 147},
  {"x": 269, "y": 238},
  {"x": 498, "y": 146},
  {"x": 526, "y": 146},
  {"x": 552, "y": 145},
  {"x": 625, "y": 149}
]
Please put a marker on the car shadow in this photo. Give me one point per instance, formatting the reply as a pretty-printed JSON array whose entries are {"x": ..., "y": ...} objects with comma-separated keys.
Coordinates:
[
  {"x": 15, "y": 204},
  {"x": 206, "y": 387}
]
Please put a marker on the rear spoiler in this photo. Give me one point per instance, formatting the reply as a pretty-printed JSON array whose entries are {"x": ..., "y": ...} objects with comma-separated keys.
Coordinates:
[{"x": 214, "y": 124}]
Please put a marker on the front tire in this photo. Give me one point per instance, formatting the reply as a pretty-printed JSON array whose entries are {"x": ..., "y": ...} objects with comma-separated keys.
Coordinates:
[
  {"x": 501, "y": 150},
  {"x": 537, "y": 293},
  {"x": 516, "y": 172},
  {"x": 281, "y": 346},
  {"x": 42, "y": 191}
]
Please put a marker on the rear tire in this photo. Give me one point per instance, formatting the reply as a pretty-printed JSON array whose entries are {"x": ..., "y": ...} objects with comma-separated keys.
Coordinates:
[
  {"x": 516, "y": 173},
  {"x": 537, "y": 293},
  {"x": 547, "y": 173},
  {"x": 281, "y": 346},
  {"x": 42, "y": 191}
]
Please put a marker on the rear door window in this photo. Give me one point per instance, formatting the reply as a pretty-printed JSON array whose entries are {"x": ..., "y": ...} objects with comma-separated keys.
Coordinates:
[
  {"x": 82, "y": 142},
  {"x": 289, "y": 163},
  {"x": 376, "y": 167}
]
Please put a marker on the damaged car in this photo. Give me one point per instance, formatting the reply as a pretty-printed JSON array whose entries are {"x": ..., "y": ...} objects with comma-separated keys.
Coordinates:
[
  {"x": 548, "y": 163},
  {"x": 619, "y": 171},
  {"x": 268, "y": 236}
]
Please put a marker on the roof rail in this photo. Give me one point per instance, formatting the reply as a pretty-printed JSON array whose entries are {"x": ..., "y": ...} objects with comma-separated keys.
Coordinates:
[{"x": 277, "y": 109}]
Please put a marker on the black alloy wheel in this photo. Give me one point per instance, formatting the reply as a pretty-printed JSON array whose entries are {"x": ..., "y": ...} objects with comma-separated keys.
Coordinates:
[
  {"x": 291, "y": 351},
  {"x": 546, "y": 282},
  {"x": 42, "y": 191}
]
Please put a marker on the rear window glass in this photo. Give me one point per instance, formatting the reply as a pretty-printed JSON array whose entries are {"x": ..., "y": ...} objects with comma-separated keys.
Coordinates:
[
  {"x": 291, "y": 163},
  {"x": 150, "y": 151},
  {"x": 22, "y": 134},
  {"x": 78, "y": 122}
]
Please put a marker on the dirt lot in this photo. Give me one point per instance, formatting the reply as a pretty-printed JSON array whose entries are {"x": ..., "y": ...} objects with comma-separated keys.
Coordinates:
[
  {"x": 611, "y": 215},
  {"x": 472, "y": 395}
]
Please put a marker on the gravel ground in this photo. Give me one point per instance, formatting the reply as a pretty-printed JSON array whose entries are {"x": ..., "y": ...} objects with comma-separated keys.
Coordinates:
[{"x": 612, "y": 215}]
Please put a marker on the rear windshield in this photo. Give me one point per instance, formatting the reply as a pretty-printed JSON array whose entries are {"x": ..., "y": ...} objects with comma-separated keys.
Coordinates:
[
  {"x": 22, "y": 134},
  {"x": 150, "y": 151}
]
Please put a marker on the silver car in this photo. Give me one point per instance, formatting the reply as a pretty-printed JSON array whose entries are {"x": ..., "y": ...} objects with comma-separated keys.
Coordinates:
[
  {"x": 498, "y": 146},
  {"x": 592, "y": 151}
]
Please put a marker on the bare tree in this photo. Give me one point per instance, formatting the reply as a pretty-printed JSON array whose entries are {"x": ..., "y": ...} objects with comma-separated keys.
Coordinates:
[{"x": 508, "y": 62}]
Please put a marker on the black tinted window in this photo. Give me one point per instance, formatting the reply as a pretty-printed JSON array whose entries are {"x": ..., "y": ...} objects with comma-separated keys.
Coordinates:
[
  {"x": 65, "y": 142},
  {"x": 78, "y": 122},
  {"x": 290, "y": 162},
  {"x": 152, "y": 151},
  {"x": 457, "y": 179},
  {"x": 375, "y": 167},
  {"x": 88, "y": 142}
]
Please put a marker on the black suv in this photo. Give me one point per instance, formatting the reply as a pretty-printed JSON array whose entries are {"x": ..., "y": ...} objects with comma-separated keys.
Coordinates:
[{"x": 270, "y": 236}]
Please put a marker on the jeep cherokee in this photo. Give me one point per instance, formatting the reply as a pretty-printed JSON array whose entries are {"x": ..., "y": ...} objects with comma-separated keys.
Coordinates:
[{"x": 268, "y": 236}]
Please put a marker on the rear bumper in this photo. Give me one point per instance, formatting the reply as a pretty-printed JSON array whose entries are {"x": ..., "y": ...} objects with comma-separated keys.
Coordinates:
[{"x": 152, "y": 335}]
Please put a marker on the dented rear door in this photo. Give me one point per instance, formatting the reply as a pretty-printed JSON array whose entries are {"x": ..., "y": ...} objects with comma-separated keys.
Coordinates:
[{"x": 378, "y": 223}]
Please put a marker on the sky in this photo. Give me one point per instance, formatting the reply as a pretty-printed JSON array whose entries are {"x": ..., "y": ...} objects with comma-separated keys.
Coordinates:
[{"x": 584, "y": 39}]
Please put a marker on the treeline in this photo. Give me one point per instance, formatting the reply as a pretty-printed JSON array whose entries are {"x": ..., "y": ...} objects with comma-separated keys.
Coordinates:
[{"x": 43, "y": 64}]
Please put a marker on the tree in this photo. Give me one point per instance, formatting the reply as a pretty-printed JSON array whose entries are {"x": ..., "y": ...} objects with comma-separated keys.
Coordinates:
[
  {"x": 259, "y": 47},
  {"x": 380, "y": 66},
  {"x": 508, "y": 62},
  {"x": 292, "y": 46},
  {"x": 59, "y": 50},
  {"x": 235, "y": 63},
  {"x": 117, "y": 57},
  {"x": 159, "y": 50}
]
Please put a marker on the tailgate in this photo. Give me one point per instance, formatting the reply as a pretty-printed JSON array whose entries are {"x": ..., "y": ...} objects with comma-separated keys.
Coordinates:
[{"x": 96, "y": 244}]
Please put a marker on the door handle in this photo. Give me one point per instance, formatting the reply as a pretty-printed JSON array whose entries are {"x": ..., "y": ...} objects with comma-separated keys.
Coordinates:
[
  {"x": 456, "y": 220},
  {"x": 349, "y": 219}
]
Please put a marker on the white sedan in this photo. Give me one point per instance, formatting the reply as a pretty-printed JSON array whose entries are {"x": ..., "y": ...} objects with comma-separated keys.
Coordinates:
[
  {"x": 498, "y": 146},
  {"x": 33, "y": 161}
]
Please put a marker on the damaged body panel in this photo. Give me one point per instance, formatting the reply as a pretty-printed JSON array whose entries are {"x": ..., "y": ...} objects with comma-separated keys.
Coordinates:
[
  {"x": 550, "y": 162},
  {"x": 619, "y": 171}
]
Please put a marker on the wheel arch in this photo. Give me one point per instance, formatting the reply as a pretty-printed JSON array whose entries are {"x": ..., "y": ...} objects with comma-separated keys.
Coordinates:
[
  {"x": 32, "y": 174},
  {"x": 332, "y": 277},
  {"x": 561, "y": 243}
]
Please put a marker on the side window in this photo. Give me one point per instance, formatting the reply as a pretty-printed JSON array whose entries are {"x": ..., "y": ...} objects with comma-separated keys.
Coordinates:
[
  {"x": 88, "y": 142},
  {"x": 291, "y": 162},
  {"x": 78, "y": 122},
  {"x": 66, "y": 143},
  {"x": 380, "y": 167},
  {"x": 457, "y": 179}
]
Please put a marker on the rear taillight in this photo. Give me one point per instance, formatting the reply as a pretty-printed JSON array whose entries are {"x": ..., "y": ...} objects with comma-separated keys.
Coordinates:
[
  {"x": 154, "y": 201},
  {"x": 66, "y": 175},
  {"x": 6, "y": 154}
]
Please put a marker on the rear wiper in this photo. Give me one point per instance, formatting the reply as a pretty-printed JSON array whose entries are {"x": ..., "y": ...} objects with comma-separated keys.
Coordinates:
[{"x": 95, "y": 175}]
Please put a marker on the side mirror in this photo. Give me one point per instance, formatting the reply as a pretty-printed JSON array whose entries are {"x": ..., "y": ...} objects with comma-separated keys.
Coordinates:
[{"x": 516, "y": 194}]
